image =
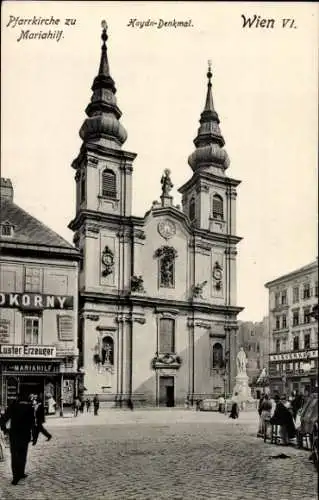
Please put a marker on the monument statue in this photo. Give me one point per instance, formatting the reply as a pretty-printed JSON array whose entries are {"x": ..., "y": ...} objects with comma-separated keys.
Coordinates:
[
  {"x": 166, "y": 182},
  {"x": 241, "y": 362}
]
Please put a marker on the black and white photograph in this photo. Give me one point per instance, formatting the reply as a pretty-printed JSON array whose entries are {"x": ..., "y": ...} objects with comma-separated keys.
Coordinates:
[{"x": 158, "y": 250}]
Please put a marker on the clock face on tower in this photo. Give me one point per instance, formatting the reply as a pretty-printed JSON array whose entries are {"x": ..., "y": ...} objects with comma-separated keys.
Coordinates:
[{"x": 166, "y": 229}]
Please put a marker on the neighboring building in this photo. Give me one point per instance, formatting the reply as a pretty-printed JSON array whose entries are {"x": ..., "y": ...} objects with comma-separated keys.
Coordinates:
[
  {"x": 293, "y": 359},
  {"x": 254, "y": 338},
  {"x": 38, "y": 305},
  {"x": 157, "y": 293}
]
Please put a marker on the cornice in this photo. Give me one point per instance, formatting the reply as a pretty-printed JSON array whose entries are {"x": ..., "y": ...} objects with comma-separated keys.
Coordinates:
[
  {"x": 158, "y": 303},
  {"x": 40, "y": 251},
  {"x": 216, "y": 179}
]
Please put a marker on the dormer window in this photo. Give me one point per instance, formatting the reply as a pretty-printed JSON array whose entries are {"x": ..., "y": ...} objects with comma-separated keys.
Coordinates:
[{"x": 6, "y": 230}]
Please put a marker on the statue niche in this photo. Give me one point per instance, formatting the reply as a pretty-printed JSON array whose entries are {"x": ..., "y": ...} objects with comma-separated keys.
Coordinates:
[{"x": 166, "y": 257}]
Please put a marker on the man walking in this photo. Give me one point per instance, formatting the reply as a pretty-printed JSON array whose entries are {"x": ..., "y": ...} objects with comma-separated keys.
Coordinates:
[
  {"x": 21, "y": 416},
  {"x": 39, "y": 421},
  {"x": 96, "y": 404}
]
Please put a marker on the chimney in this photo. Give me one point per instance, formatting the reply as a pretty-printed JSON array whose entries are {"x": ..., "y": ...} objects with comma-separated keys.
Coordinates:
[{"x": 6, "y": 189}]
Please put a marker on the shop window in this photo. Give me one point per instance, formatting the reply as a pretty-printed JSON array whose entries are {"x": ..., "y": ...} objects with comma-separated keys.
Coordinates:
[
  {"x": 31, "y": 329},
  {"x": 167, "y": 335},
  {"x": 218, "y": 207},
  {"x": 65, "y": 327},
  {"x": 108, "y": 184},
  {"x": 32, "y": 279},
  {"x": 218, "y": 355}
]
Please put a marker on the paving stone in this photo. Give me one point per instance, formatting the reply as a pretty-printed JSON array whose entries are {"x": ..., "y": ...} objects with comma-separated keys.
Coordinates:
[{"x": 161, "y": 455}]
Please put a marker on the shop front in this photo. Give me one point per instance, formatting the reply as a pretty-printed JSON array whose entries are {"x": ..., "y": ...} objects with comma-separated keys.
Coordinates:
[{"x": 38, "y": 370}]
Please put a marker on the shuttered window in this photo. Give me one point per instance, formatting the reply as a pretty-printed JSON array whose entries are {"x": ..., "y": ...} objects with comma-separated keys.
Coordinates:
[
  {"x": 108, "y": 184},
  {"x": 218, "y": 207},
  {"x": 65, "y": 327},
  {"x": 167, "y": 335}
]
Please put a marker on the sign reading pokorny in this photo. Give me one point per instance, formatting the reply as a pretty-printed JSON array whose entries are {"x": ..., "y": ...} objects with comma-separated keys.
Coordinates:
[{"x": 36, "y": 301}]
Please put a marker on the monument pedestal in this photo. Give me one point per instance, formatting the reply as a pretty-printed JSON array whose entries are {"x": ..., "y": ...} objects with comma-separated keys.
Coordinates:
[{"x": 242, "y": 388}]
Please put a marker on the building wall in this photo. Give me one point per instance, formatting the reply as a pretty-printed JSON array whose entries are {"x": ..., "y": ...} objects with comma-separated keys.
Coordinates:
[
  {"x": 50, "y": 296},
  {"x": 291, "y": 299},
  {"x": 254, "y": 338}
]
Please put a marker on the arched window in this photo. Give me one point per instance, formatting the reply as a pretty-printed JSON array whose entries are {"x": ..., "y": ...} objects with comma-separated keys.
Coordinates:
[
  {"x": 218, "y": 207},
  {"x": 108, "y": 183},
  {"x": 107, "y": 351},
  {"x": 166, "y": 335},
  {"x": 218, "y": 361},
  {"x": 192, "y": 209}
]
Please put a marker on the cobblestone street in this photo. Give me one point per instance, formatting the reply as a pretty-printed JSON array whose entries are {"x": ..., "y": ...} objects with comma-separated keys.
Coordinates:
[{"x": 159, "y": 454}]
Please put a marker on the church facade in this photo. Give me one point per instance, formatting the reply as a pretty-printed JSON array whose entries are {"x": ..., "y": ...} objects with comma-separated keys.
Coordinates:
[{"x": 157, "y": 294}]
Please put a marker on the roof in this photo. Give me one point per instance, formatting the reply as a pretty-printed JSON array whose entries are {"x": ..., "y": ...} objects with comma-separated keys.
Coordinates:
[
  {"x": 301, "y": 270},
  {"x": 28, "y": 230}
]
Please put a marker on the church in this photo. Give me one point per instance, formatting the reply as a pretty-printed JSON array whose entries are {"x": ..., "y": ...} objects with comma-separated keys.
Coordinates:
[{"x": 157, "y": 294}]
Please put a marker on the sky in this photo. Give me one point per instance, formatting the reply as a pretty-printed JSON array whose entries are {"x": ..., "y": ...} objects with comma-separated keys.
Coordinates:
[{"x": 265, "y": 89}]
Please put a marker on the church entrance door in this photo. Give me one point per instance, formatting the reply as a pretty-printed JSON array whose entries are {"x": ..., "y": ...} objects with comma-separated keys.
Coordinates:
[{"x": 166, "y": 392}]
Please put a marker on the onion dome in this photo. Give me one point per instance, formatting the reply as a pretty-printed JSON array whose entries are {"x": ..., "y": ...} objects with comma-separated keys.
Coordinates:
[
  {"x": 209, "y": 141},
  {"x": 103, "y": 112}
]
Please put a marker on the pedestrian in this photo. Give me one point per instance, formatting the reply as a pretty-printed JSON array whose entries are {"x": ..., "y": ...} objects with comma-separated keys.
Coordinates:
[
  {"x": 76, "y": 405},
  {"x": 39, "y": 421},
  {"x": 96, "y": 404},
  {"x": 283, "y": 417},
  {"x": 82, "y": 404},
  {"x": 296, "y": 404},
  {"x": 234, "y": 412},
  {"x": 265, "y": 414},
  {"x": 260, "y": 432},
  {"x": 130, "y": 405},
  {"x": 221, "y": 404},
  {"x": 88, "y": 404},
  {"x": 21, "y": 416},
  {"x": 198, "y": 401}
]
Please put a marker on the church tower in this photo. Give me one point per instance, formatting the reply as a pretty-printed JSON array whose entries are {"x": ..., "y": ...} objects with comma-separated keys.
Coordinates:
[
  {"x": 102, "y": 223},
  {"x": 209, "y": 201},
  {"x": 208, "y": 198}
]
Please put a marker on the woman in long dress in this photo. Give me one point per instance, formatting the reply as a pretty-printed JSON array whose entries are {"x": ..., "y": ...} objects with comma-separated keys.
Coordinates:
[{"x": 234, "y": 413}]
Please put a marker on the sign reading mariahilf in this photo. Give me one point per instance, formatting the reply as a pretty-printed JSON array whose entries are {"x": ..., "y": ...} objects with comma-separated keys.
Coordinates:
[
  {"x": 27, "y": 351},
  {"x": 36, "y": 301}
]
